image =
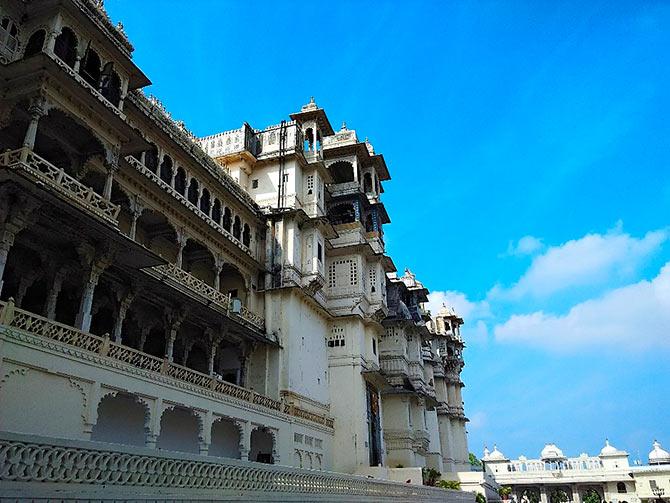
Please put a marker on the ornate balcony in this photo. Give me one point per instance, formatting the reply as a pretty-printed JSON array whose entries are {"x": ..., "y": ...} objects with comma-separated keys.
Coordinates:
[
  {"x": 313, "y": 156},
  {"x": 185, "y": 202},
  {"x": 68, "y": 188},
  {"x": 19, "y": 319},
  {"x": 208, "y": 294}
]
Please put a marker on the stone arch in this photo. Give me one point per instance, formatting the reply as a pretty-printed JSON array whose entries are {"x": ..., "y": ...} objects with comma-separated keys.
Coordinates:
[
  {"x": 180, "y": 181},
  {"x": 237, "y": 227},
  {"x": 67, "y": 143},
  {"x": 193, "y": 192},
  {"x": 199, "y": 261},
  {"x": 342, "y": 171},
  {"x": 9, "y": 39},
  {"x": 66, "y": 46},
  {"x": 180, "y": 430},
  {"x": 151, "y": 157},
  {"x": 216, "y": 211},
  {"x": 122, "y": 418},
  {"x": 297, "y": 458},
  {"x": 110, "y": 84},
  {"x": 263, "y": 445},
  {"x": 246, "y": 235},
  {"x": 231, "y": 280},
  {"x": 35, "y": 43},
  {"x": 226, "y": 438},
  {"x": 227, "y": 221},
  {"x": 154, "y": 231},
  {"x": 166, "y": 169},
  {"x": 205, "y": 201},
  {"x": 90, "y": 67},
  {"x": 367, "y": 182}
]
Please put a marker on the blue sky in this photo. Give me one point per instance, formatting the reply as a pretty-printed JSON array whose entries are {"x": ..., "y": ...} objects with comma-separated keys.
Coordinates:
[{"x": 529, "y": 147}]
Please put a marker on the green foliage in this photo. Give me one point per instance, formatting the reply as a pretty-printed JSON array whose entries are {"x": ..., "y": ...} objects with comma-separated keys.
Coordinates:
[
  {"x": 449, "y": 484},
  {"x": 430, "y": 476},
  {"x": 480, "y": 498},
  {"x": 530, "y": 496},
  {"x": 559, "y": 496},
  {"x": 591, "y": 496},
  {"x": 474, "y": 460},
  {"x": 504, "y": 491}
]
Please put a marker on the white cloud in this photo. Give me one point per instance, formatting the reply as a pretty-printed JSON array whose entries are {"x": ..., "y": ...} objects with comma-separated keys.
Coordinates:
[
  {"x": 631, "y": 318},
  {"x": 594, "y": 259},
  {"x": 467, "y": 309},
  {"x": 527, "y": 245}
]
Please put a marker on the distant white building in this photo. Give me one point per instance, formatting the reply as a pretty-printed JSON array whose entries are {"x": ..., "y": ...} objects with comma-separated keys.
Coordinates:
[{"x": 555, "y": 478}]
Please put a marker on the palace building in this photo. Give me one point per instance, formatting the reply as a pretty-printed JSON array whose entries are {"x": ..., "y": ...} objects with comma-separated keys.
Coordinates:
[
  {"x": 201, "y": 300},
  {"x": 606, "y": 478}
]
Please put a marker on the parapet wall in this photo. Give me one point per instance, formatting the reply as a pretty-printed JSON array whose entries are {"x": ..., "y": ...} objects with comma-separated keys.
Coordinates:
[{"x": 34, "y": 468}]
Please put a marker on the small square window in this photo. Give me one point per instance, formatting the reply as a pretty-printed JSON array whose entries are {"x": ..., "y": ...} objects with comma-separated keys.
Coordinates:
[
  {"x": 254, "y": 183},
  {"x": 285, "y": 178}
]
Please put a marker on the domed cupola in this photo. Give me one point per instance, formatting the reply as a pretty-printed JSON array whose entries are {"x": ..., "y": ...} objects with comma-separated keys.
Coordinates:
[
  {"x": 494, "y": 455},
  {"x": 609, "y": 450},
  {"x": 658, "y": 455},
  {"x": 551, "y": 453}
]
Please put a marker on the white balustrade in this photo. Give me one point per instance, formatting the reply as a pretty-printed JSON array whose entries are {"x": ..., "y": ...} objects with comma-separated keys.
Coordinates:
[{"x": 41, "y": 170}]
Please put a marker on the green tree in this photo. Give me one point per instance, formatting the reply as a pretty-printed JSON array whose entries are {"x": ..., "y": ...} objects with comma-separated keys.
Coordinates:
[
  {"x": 559, "y": 496},
  {"x": 480, "y": 498},
  {"x": 505, "y": 491},
  {"x": 591, "y": 496},
  {"x": 449, "y": 484},
  {"x": 474, "y": 460}
]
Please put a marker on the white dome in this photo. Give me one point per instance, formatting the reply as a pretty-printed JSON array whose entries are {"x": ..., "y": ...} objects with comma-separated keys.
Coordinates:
[
  {"x": 609, "y": 450},
  {"x": 550, "y": 451},
  {"x": 658, "y": 455},
  {"x": 494, "y": 455}
]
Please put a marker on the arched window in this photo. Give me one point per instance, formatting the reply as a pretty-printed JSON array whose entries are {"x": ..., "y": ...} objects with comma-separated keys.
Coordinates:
[
  {"x": 9, "y": 38},
  {"x": 246, "y": 235},
  {"x": 180, "y": 181},
  {"x": 367, "y": 183},
  {"x": 227, "y": 219},
  {"x": 193, "y": 190},
  {"x": 110, "y": 85},
  {"x": 237, "y": 227},
  {"x": 66, "y": 46},
  {"x": 342, "y": 172},
  {"x": 621, "y": 488},
  {"x": 151, "y": 158},
  {"x": 90, "y": 68},
  {"x": 166, "y": 170},
  {"x": 204, "y": 201},
  {"x": 216, "y": 211},
  {"x": 35, "y": 43}
]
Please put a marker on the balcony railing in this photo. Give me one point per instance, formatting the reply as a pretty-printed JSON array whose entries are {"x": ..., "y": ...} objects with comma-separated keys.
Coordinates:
[
  {"x": 19, "y": 319},
  {"x": 188, "y": 204},
  {"x": 195, "y": 285},
  {"x": 313, "y": 156},
  {"x": 41, "y": 170}
]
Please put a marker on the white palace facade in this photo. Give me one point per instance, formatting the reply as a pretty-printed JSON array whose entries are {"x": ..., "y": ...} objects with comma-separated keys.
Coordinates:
[
  {"x": 606, "y": 478},
  {"x": 175, "y": 311}
]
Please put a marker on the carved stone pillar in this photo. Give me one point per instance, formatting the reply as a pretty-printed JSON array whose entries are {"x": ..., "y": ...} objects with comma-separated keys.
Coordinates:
[
  {"x": 144, "y": 333},
  {"x": 54, "y": 291},
  {"x": 136, "y": 210},
  {"x": 124, "y": 304},
  {"x": 187, "y": 351},
  {"x": 112, "y": 165},
  {"x": 36, "y": 110},
  {"x": 50, "y": 44},
  {"x": 218, "y": 267},
  {"x": 245, "y": 439},
  {"x": 212, "y": 356},
  {"x": 20, "y": 213},
  {"x": 77, "y": 63},
  {"x": 182, "y": 238},
  {"x": 173, "y": 321},
  {"x": 97, "y": 265}
]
